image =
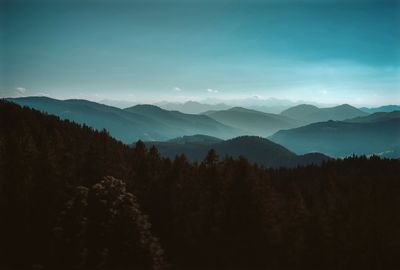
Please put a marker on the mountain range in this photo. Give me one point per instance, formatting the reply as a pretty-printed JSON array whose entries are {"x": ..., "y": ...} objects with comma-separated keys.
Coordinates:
[
  {"x": 191, "y": 107},
  {"x": 387, "y": 108},
  {"x": 378, "y": 133},
  {"x": 337, "y": 131},
  {"x": 312, "y": 114},
  {"x": 141, "y": 122},
  {"x": 256, "y": 149},
  {"x": 254, "y": 122},
  {"x": 268, "y": 105}
]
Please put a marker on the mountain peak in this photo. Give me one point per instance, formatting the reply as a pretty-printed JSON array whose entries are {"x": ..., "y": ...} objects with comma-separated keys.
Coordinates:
[
  {"x": 311, "y": 113},
  {"x": 146, "y": 107},
  {"x": 243, "y": 110},
  {"x": 345, "y": 106}
]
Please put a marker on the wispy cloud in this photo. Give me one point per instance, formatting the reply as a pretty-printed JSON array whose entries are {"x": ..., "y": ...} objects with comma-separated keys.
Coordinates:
[
  {"x": 20, "y": 90},
  {"x": 12, "y": 93},
  {"x": 212, "y": 90},
  {"x": 178, "y": 89}
]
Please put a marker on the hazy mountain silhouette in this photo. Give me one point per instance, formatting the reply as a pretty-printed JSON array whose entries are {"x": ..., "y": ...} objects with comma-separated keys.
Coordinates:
[
  {"x": 256, "y": 149},
  {"x": 145, "y": 122},
  {"x": 253, "y": 122},
  {"x": 387, "y": 108},
  {"x": 125, "y": 126},
  {"x": 198, "y": 138},
  {"x": 312, "y": 114},
  {"x": 300, "y": 111},
  {"x": 375, "y": 117},
  {"x": 373, "y": 134},
  {"x": 192, "y": 107},
  {"x": 185, "y": 124}
]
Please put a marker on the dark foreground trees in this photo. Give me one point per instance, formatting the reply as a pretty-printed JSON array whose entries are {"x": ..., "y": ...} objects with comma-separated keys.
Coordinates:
[
  {"x": 61, "y": 210},
  {"x": 103, "y": 228}
]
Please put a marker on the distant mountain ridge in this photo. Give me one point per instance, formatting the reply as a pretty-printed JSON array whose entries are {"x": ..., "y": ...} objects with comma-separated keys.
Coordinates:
[
  {"x": 386, "y": 108},
  {"x": 185, "y": 124},
  {"x": 253, "y": 122},
  {"x": 373, "y": 134},
  {"x": 122, "y": 125},
  {"x": 141, "y": 122},
  {"x": 361, "y": 134},
  {"x": 191, "y": 107},
  {"x": 198, "y": 138},
  {"x": 256, "y": 149},
  {"x": 313, "y": 114},
  {"x": 376, "y": 117}
]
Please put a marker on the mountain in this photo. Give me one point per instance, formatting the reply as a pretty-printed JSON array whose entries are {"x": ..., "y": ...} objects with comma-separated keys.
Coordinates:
[
  {"x": 253, "y": 122},
  {"x": 312, "y": 114},
  {"x": 339, "y": 139},
  {"x": 300, "y": 111},
  {"x": 125, "y": 126},
  {"x": 144, "y": 122},
  {"x": 255, "y": 149},
  {"x": 198, "y": 138},
  {"x": 387, "y": 108},
  {"x": 184, "y": 124},
  {"x": 192, "y": 107},
  {"x": 118, "y": 103},
  {"x": 376, "y": 117}
]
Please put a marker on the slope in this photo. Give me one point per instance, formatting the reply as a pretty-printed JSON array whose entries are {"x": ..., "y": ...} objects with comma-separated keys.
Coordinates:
[
  {"x": 125, "y": 126},
  {"x": 128, "y": 125},
  {"x": 255, "y": 149},
  {"x": 312, "y": 114},
  {"x": 386, "y": 108},
  {"x": 340, "y": 139},
  {"x": 376, "y": 117},
  {"x": 192, "y": 107},
  {"x": 253, "y": 122},
  {"x": 185, "y": 124}
]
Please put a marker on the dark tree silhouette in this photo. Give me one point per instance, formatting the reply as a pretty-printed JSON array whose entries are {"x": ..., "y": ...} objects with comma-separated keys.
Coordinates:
[
  {"x": 104, "y": 228},
  {"x": 216, "y": 214}
]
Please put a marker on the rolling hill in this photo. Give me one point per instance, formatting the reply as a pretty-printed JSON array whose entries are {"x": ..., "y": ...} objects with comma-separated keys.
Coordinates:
[
  {"x": 143, "y": 122},
  {"x": 376, "y": 117},
  {"x": 255, "y": 149},
  {"x": 300, "y": 111},
  {"x": 125, "y": 126},
  {"x": 338, "y": 138},
  {"x": 192, "y": 107},
  {"x": 184, "y": 124},
  {"x": 387, "y": 108},
  {"x": 313, "y": 114},
  {"x": 253, "y": 122},
  {"x": 198, "y": 138}
]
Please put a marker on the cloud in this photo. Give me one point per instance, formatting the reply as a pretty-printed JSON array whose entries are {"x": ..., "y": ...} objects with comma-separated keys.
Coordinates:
[
  {"x": 209, "y": 90},
  {"x": 324, "y": 92},
  {"x": 177, "y": 89},
  {"x": 13, "y": 93},
  {"x": 20, "y": 90}
]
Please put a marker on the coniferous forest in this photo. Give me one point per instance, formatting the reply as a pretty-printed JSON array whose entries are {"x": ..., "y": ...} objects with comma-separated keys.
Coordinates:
[{"x": 75, "y": 198}]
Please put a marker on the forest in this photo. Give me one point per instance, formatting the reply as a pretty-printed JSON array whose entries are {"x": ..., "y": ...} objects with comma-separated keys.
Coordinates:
[{"x": 72, "y": 197}]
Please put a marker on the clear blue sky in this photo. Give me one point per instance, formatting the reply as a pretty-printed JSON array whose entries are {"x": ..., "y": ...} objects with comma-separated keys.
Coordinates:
[{"x": 324, "y": 51}]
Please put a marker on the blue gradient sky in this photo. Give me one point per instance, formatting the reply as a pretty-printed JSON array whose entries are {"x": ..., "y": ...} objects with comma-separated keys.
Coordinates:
[{"x": 322, "y": 51}]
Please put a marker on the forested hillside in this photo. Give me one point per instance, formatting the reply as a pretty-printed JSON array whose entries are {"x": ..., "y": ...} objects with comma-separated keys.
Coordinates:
[
  {"x": 256, "y": 149},
  {"x": 74, "y": 198}
]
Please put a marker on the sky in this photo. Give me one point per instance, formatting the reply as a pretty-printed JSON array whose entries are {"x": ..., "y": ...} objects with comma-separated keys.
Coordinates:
[{"x": 148, "y": 51}]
